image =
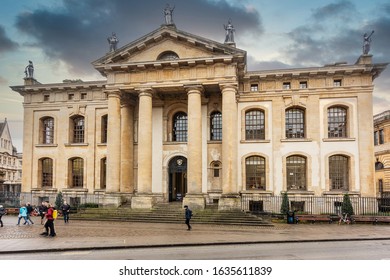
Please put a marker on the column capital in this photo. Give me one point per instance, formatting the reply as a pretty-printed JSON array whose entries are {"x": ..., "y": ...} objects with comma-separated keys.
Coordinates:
[
  {"x": 145, "y": 91},
  {"x": 194, "y": 88},
  {"x": 232, "y": 86},
  {"x": 113, "y": 93}
]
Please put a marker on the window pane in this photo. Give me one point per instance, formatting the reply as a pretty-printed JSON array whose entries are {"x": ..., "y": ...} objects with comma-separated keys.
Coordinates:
[
  {"x": 104, "y": 128},
  {"x": 295, "y": 123},
  {"x": 255, "y": 173},
  {"x": 254, "y": 125},
  {"x": 47, "y": 172},
  {"x": 337, "y": 122},
  {"x": 48, "y": 131},
  {"x": 338, "y": 172},
  {"x": 180, "y": 127},
  {"x": 77, "y": 172},
  {"x": 78, "y": 130},
  {"x": 216, "y": 126},
  {"x": 296, "y": 173}
]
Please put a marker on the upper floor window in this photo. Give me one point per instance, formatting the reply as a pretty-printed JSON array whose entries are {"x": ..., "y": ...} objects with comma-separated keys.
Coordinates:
[
  {"x": 255, "y": 173},
  {"x": 337, "y": 122},
  {"x": 216, "y": 126},
  {"x": 303, "y": 84},
  {"x": 70, "y": 96},
  {"x": 104, "y": 128},
  {"x": 339, "y": 172},
  {"x": 83, "y": 96},
  {"x": 296, "y": 173},
  {"x": 46, "y": 97},
  {"x": 254, "y": 87},
  {"x": 180, "y": 127},
  {"x": 381, "y": 137},
  {"x": 295, "y": 123},
  {"x": 286, "y": 85},
  {"x": 76, "y": 174},
  {"x": 47, "y": 130},
  {"x": 78, "y": 129},
  {"x": 254, "y": 125},
  {"x": 337, "y": 83},
  {"x": 46, "y": 172},
  {"x": 216, "y": 166},
  {"x": 168, "y": 55}
]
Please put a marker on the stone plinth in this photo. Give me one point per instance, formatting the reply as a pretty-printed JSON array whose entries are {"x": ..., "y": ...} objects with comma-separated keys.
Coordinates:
[
  {"x": 112, "y": 200},
  {"x": 229, "y": 202},
  {"x": 194, "y": 201},
  {"x": 144, "y": 201}
]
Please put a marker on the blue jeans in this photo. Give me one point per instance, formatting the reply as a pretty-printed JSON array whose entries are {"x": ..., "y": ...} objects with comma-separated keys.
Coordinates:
[{"x": 25, "y": 220}]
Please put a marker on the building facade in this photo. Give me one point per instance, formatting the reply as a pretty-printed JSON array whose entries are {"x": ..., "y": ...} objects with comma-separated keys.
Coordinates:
[
  {"x": 10, "y": 162},
  {"x": 179, "y": 118},
  {"x": 382, "y": 152}
]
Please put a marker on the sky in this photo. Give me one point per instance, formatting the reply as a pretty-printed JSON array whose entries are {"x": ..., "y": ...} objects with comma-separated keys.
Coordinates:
[{"x": 63, "y": 38}]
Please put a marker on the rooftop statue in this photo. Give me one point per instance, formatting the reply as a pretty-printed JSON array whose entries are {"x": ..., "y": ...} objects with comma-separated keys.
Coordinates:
[
  {"x": 229, "y": 32},
  {"x": 367, "y": 42},
  {"x": 168, "y": 13},
  {"x": 113, "y": 42},
  {"x": 29, "y": 70}
]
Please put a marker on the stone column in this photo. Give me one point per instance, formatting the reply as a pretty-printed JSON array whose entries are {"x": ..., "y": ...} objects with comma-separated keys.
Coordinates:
[
  {"x": 113, "y": 148},
  {"x": 194, "y": 197},
  {"x": 127, "y": 156},
  {"x": 230, "y": 199},
  {"x": 144, "y": 198}
]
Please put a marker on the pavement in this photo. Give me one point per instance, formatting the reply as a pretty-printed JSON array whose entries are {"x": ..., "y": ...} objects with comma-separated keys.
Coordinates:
[{"x": 87, "y": 235}]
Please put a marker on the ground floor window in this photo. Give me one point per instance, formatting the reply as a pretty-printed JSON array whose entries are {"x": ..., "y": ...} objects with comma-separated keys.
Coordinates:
[{"x": 255, "y": 173}]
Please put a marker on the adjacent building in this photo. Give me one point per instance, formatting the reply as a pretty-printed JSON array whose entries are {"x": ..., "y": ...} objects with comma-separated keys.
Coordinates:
[
  {"x": 382, "y": 152},
  {"x": 10, "y": 162},
  {"x": 179, "y": 118}
]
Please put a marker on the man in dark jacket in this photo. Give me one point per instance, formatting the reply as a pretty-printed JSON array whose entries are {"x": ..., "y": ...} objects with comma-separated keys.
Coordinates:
[
  {"x": 30, "y": 209},
  {"x": 188, "y": 216},
  {"x": 2, "y": 213},
  {"x": 42, "y": 211},
  {"x": 65, "y": 208}
]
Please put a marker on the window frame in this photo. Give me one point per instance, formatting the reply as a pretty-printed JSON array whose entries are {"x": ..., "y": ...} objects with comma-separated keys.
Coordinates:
[
  {"x": 254, "y": 124},
  {"x": 295, "y": 129},
  {"x": 256, "y": 176},
  {"x": 343, "y": 112},
  {"x": 297, "y": 166},
  {"x": 339, "y": 175},
  {"x": 47, "y": 130},
  {"x": 180, "y": 127},
  {"x": 216, "y": 126}
]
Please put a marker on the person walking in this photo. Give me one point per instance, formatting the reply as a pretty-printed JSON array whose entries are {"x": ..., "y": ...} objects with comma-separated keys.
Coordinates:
[
  {"x": 30, "y": 210},
  {"x": 188, "y": 216},
  {"x": 49, "y": 225},
  {"x": 23, "y": 214},
  {"x": 65, "y": 208},
  {"x": 2, "y": 213},
  {"x": 42, "y": 211}
]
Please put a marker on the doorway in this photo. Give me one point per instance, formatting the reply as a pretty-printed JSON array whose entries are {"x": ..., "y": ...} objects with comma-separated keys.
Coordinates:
[{"x": 177, "y": 178}]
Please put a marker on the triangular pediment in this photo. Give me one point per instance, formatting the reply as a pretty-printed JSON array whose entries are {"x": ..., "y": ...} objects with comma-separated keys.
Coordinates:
[{"x": 167, "y": 39}]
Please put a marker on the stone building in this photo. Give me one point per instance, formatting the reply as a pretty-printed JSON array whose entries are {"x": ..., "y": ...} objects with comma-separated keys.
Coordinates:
[
  {"x": 10, "y": 162},
  {"x": 382, "y": 152},
  {"x": 179, "y": 118}
]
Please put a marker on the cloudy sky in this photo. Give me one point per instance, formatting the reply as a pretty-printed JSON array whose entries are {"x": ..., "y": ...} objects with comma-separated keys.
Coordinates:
[{"x": 62, "y": 38}]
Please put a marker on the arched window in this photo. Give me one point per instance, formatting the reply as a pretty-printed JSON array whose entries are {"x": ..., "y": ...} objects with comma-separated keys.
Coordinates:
[
  {"x": 216, "y": 126},
  {"x": 76, "y": 173},
  {"x": 46, "y": 167},
  {"x": 295, "y": 123},
  {"x": 78, "y": 129},
  {"x": 339, "y": 172},
  {"x": 296, "y": 173},
  {"x": 254, "y": 125},
  {"x": 103, "y": 173},
  {"x": 180, "y": 127},
  {"x": 104, "y": 128},
  {"x": 337, "y": 122},
  {"x": 216, "y": 167},
  {"x": 47, "y": 130},
  {"x": 379, "y": 165},
  {"x": 255, "y": 173},
  {"x": 168, "y": 55}
]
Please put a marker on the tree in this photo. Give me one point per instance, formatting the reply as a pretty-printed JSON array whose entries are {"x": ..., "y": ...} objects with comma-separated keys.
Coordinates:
[
  {"x": 285, "y": 204},
  {"x": 347, "y": 207},
  {"x": 59, "y": 200}
]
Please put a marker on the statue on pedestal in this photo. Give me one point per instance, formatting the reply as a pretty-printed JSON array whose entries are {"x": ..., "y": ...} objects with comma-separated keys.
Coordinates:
[
  {"x": 113, "y": 42},
  {"x": 367, "y": 42},
  {"x": 229, "y": 32},
  {"x": 29, "y": 70},
  {"x": 168, "y": 13}
]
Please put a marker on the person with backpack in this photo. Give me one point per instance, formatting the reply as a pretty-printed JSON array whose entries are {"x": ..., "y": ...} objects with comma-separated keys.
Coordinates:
[
  {"x": 42, "y": 211},
  {"x": 2, "y": 213},
  {"x": 49, "y": 222},
  {"x": 23, "y": 215},
  {"x": 188, "y": 216},
  {"x": 65, "y": 208}
]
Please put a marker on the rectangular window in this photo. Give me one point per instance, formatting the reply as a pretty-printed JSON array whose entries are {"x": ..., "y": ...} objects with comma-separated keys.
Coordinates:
[
  {"x": 70, "y": 96},
  {"x": 46, "y": 97},
  {"x": 337, "y": 83},
  {"x": 254, "y": 87},
  {"x": 303, "y": 84},
  {"x": 83, "y": 96},
  {"x": 381, "y": 137},
  {"x": 286, "y": 85}
]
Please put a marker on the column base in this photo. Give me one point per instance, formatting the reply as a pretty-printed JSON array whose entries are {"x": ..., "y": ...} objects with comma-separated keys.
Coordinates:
[
  {"x": 143, "y": 201},
  {"x": 229, "y": 202},
  {"x": 112, "y": 200},
  {"x": 194, "y": 201}
]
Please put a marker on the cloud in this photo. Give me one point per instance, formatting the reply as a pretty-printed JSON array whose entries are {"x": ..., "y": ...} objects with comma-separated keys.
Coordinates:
[
  {"x": 339, "y": 10},
  {"x": 6, "y": 44},
  {"x": 254, "y": 65},
  {"x": 76, "y": 34}
]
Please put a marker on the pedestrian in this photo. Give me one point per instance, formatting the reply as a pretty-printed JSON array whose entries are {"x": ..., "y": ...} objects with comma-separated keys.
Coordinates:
[
  {"x": 65, "y": 208},
  {"x": 188, "y": 216},
  {"x": 49, "y": 225},
  {"x": 23, "y": 215},
  {"x": 30, "y": 210},
  {"x": 2, "y": 213},
  {"x": 42, "y": 211}
]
